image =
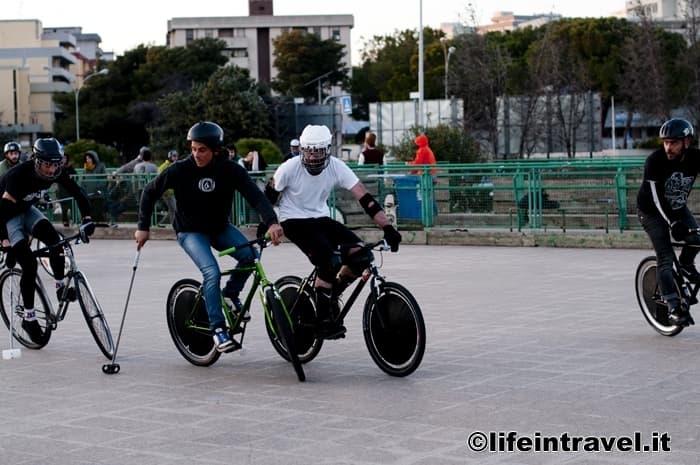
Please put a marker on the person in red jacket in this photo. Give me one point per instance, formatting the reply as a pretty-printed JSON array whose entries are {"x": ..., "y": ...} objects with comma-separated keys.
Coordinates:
[{"x": 424, "y": 155}]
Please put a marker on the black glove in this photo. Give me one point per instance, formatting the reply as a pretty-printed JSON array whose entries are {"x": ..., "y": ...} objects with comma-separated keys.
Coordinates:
[
  {"x": 392, "y": 237},
  {"x": 87, "y": 228},
  {"x": 680, "y": 231}
]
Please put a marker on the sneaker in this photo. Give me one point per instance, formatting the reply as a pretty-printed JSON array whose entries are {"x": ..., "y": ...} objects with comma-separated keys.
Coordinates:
[
  {"x": 222, "y": 340},
  {"x": 328, "y": 329},
  {"x": 33, "y": 330},
  {"x": 70, "y": 296},
  {"x": 678, "y": 316},
  {"x": 690, "y": 272},
  {"x": 236, "y": 306}
]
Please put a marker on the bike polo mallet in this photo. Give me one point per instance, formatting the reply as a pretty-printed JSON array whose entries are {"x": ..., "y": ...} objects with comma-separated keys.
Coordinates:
[{"x": 113, "y": 368}]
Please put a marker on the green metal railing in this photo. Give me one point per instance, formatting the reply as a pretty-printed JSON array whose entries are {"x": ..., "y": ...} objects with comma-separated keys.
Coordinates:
[{"x": 515, "y": 195}]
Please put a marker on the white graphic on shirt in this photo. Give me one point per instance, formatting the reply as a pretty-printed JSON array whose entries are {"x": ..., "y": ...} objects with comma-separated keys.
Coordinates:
[
  {"x": 677, "y": 189},
  {"x": 207, "y": 185},
  {"x": 35, "y": 196}
]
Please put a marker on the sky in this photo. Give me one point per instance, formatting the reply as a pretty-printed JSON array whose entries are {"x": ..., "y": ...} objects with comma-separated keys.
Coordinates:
[{"x": 124, "y": 24}]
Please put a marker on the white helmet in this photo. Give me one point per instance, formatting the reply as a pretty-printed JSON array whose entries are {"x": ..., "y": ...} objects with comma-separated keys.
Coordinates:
[{"x": 315, "y": 144}]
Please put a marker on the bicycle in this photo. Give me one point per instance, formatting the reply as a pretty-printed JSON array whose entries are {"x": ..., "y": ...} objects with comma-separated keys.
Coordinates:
[
  {"x": 392, "y": 321},
  {"x": 188, "y": 322},
  {"x": 649, "y": 296},
  {"x": 48, "y": 316}
]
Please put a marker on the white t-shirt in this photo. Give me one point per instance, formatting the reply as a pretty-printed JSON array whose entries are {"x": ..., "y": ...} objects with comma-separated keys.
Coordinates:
[{"x": 305, "y": 196}]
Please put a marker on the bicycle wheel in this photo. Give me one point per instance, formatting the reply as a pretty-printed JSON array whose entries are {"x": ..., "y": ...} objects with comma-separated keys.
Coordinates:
[
  {"x": 302, "y": 311},
  {"x": 188, "y": 323},
  {"x": 94, "y": 317},
  {"x": 280, "y": 324},
  {"x": 45, "y": 262},
  {"x": 649, "y": 298},
  {"x": 394, "y": 330},
  {"x": 12, "y": 306}
]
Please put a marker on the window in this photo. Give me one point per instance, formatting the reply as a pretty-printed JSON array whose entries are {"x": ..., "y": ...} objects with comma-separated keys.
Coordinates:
[
  {"x": 209, "y": 33},
  {"x": 336, "y": 35},
  {"x": 226, "y": 32},
  {"x": 317, "y": 31},
  {"x": 239, "y": 32},
  {"x": 239, "y": 53},
  {"x": 189, "y": 35}
]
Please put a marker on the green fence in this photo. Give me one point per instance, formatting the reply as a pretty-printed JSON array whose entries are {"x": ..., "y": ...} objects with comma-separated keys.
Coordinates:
[{"x": 515, "y": 195}]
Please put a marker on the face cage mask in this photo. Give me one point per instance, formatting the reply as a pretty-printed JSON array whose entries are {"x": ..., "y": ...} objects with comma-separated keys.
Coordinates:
[
  {"x": 38, "y": 163},
  {"x": 314, "y": 166}
]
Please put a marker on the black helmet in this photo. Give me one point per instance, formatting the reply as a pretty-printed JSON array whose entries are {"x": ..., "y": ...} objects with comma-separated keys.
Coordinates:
[
  {"x": 48, "y": 151},
  {"x": 12, "y": 147},
  {"x": 676, "y": 128},
  {"x": 208, "y": 133}
]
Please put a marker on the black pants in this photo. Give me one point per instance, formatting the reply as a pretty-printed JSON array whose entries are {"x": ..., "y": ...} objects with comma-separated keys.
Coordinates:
[
  {"x": 658, "y": 231},
  {"x": 319, "y": 238}
]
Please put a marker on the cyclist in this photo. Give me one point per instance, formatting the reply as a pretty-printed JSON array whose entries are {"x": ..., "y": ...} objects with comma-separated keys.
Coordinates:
[
  {"x": 21, "y": 188},
  {"x": 669, "y": 174},
  {"x": 12, "y": 152},
  {"x": 204, "y": 184},
  {"x": 302, "y": 186}
]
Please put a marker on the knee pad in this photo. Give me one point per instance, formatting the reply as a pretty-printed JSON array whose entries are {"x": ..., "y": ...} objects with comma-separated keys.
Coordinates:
[
  {"x": 23, "y": 255},
  {"x": 45, "y": 232},
  {"x": 328, "y": 270},
  {"x": 359, "y": 260}
]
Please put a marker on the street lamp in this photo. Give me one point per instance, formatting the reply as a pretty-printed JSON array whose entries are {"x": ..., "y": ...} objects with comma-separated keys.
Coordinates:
[
  {"x": 77, "y": 94},
  {"x": 448, "y": 53}
]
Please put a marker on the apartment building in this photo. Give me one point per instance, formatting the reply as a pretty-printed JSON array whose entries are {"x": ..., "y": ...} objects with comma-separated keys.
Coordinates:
[
  {"x": 249, "y": 38},
  {"x": 36, "y": 63}
]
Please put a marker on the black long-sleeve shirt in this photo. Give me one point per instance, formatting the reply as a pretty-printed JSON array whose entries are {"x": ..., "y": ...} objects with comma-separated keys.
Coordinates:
[
  {"x": 673, "y": 180},
  {"x": 203, "y": 196}
]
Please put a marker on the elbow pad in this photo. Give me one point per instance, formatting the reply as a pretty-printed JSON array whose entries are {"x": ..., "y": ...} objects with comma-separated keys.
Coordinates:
[{"x": 370, "y": 205}]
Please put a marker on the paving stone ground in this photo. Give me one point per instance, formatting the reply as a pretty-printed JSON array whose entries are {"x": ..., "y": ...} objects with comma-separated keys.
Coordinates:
[{"x": 539, "y": 341}]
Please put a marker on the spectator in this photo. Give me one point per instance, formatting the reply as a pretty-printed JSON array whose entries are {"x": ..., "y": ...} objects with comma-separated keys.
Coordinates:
[
  {"x": 63, "y": 193},
  {"x": 122, "y": 193},
  {"x": 254, "y": 161},
  {"x": 94, "y": 181},
  {"x": 145, "y": 166},
  {"x": 293, "y": 149},
  {"x": 371, "y": 155},
  {"x": 169, "y": 195},
  {"x": 129, "y": 166},
  {"x": 233, "y": 153},
  {"x": 424, "y": 155},
  {"x": 12, "y": 153}
]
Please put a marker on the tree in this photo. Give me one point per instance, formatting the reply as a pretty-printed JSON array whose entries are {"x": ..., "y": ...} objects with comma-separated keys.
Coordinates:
[
  {"x": 300, "y": 58},
  {"x": 389, "y": 69},
  {"x": 120, "y": 109},
  {"x": 237, "y": 103}
]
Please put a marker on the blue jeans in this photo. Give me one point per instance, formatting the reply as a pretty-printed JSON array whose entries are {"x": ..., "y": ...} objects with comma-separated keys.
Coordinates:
[
  {"x": 198, "y": 246},
  {"x": 658, "y": 231}
]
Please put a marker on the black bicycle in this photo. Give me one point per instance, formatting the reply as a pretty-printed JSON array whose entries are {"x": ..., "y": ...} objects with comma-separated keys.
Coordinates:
[
  {"x": 392, "y": 322},
  {"x": 188, "y": 322},
  {"x": 11, "y": 304},
  {"x": 649, "y": 296}
]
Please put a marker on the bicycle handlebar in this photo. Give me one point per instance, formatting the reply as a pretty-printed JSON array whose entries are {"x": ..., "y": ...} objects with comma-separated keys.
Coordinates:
[
  {"x": 43, "y": 251},
  {"x": 261, "y": 241}
]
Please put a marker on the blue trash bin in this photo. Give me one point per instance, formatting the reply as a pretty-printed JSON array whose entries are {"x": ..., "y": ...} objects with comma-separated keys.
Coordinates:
[{"x": 408, "y": 196}]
